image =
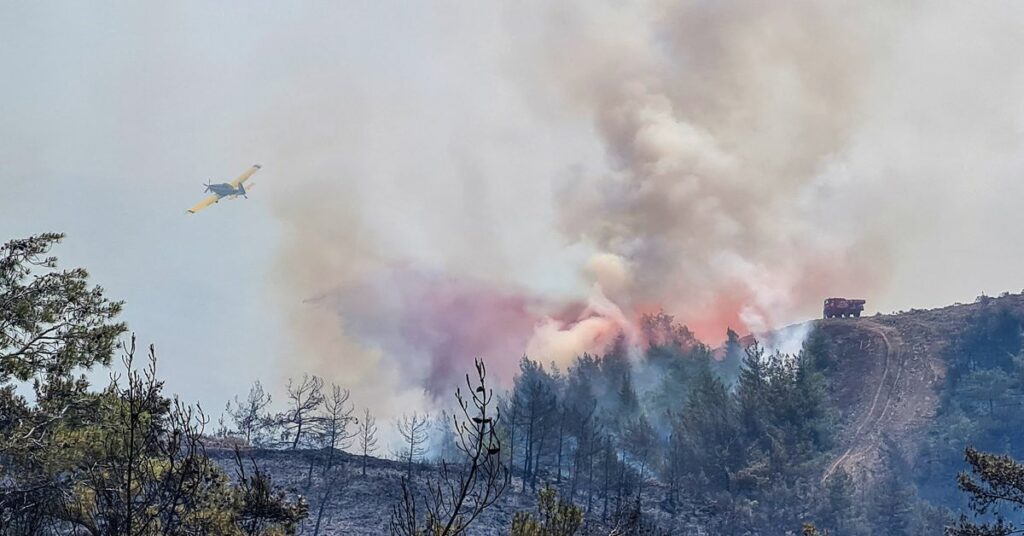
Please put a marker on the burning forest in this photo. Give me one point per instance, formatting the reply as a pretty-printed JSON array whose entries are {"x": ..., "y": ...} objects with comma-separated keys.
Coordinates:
[{"x": 529, "y": 268}]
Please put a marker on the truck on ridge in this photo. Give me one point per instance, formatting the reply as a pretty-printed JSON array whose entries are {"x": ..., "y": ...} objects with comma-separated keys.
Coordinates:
[{"x": 843, "y": 307}]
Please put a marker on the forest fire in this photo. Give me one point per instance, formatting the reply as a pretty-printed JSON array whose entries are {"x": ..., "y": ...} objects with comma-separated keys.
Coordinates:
[{"x": 516, "y": 268}]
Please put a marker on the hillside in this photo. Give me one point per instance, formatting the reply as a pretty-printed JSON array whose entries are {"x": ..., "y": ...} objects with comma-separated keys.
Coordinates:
[
  {"x": 362, "y": 504},
  {"x": 889, "y": 373},
  {"x": 355, "y": 503},
  {"x": 886, "y": 377}
]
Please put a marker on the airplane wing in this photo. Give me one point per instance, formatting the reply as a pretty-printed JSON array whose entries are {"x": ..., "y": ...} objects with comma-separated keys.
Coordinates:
[
  {"x": 204, "y": 203},
  {"x": 245, "y": 176}
]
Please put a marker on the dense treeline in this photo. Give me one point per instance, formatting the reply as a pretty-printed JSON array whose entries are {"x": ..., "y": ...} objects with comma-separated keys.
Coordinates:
[
  {"x": 670, "y": 434},
  {"x": 981, "y": 401},
  {"x": 743, "y": 452}
]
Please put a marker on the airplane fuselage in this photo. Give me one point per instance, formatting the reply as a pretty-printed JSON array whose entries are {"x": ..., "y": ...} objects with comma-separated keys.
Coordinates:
[
  {"x": 222, "y": 190},
  {"x": 225, "y": 189}
]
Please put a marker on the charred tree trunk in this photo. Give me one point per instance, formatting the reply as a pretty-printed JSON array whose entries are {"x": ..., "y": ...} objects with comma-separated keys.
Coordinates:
[
  {"x": 558, "y": 477},
  {"x": 536, "y": 464}
]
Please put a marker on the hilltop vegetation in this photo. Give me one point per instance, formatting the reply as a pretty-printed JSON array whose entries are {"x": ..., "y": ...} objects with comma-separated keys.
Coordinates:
[{"x": 981, "y": 400}]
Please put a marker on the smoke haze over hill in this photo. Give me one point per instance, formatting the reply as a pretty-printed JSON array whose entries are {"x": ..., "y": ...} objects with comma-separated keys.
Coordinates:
[{"x": 562, "y": 169}]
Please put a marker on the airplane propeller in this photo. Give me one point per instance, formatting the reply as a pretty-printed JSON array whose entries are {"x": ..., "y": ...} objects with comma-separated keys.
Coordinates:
[{"x": 207, "y": 187}]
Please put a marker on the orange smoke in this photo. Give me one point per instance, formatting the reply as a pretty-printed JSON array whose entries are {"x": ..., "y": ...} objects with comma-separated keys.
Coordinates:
[{"x": 710, "y": 326}]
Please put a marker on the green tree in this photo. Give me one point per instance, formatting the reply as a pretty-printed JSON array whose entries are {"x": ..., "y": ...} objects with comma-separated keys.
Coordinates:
[
  {"x": 817, "y": 352},
  {"x": 124, "y": 461},
  {"x": 752, "y": 393},
  {"x": 708, "y": 428},
  {"x": 987, "y": 389},
  {"x": 251, "y": 417},
  {"x": 893, "y": 500},
  {"x": 783, "y": 409},
  {"x": 732, "y": 358},
  {"x": 53, "y": 326},
  {"x": 143, "y": 470},
  {"x": 809, "y": 529},
  {"x": 994, "y": 481},
  {"x": 811, "y": 419},
  {"x": 555, "y": 517},
  {"x": 52, "y": 323},
  {"x": 839, "y": 511}
]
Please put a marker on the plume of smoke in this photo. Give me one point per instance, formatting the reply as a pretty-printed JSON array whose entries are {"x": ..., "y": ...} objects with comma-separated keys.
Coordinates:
[
  {"x": 431, "y": 326},
  {"x": 565, "y": 167},
  {"x": 788, "y": 340},
  {"x": 715, "y": 119}
]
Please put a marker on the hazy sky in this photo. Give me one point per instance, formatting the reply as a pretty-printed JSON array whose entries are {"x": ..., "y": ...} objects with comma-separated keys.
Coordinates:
[
  {"x": 427, "y": 158},
  {"x": 116, "y": 113}
]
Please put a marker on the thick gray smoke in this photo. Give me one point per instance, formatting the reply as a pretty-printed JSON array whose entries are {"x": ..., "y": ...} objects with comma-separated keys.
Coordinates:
[
  {"x": 717, "y": 120},
  {"x": 535, "y": 178}
]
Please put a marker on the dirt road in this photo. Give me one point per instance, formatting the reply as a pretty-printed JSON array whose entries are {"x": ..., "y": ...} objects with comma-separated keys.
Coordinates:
[{"x": 862, "y": 444}]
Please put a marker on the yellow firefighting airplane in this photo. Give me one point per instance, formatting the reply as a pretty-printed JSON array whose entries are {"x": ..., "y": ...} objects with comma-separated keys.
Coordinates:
[{"x": 227, "y": 190}]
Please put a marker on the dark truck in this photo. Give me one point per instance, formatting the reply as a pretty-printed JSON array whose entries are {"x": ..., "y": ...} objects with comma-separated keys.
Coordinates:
[{"x": 842, "y": 307}]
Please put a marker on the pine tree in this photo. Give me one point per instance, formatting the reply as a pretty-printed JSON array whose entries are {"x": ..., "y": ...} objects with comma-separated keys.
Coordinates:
[
  {"x": 729, "y": 367},
  {"x": 537, "y": 396},
  {"x": 893, "y": 499},
  {"x": 332, "y": 425},
  {"x": 640, "y": 442},
  {"x": 251, "y": 417},
  {"x": 304, "y": 399},
  {"x": 816, "y": 352},
  {"x": 709, "y": 428},
  {"x": 839, "y": 511},
  {"x": 752, "y": 393},
  {"x": 812, "y": 425},
  {"x": 367, "y": 437},
  {"x": 994, "y": 481},
  {"x": 125, "y": 460},
  {"x": 629, "y": 404},
  {"x": 413, "y": 429}
]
